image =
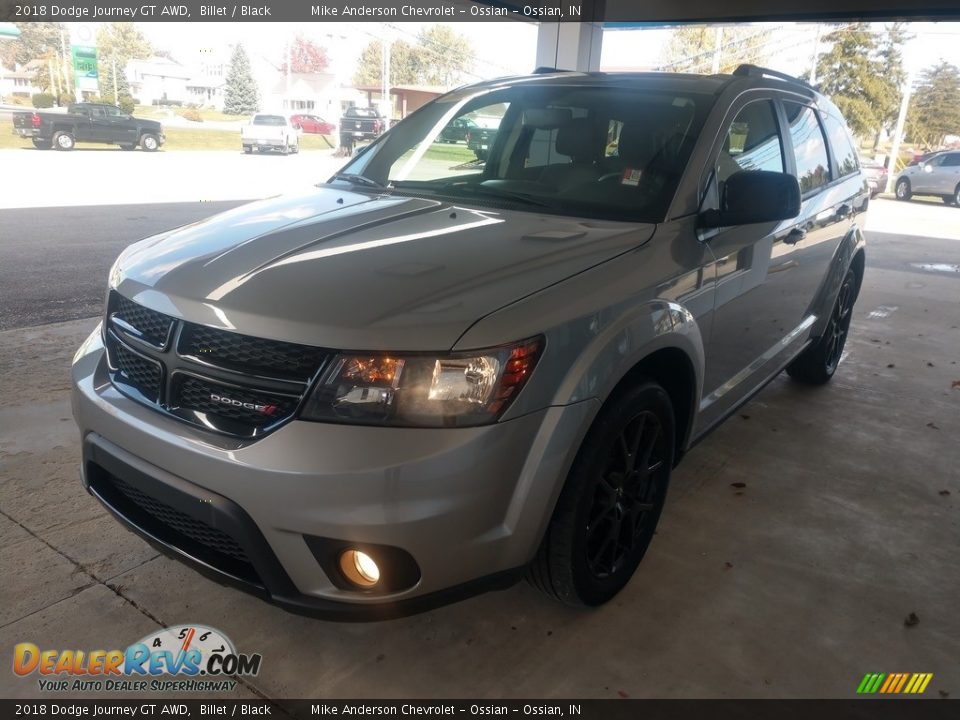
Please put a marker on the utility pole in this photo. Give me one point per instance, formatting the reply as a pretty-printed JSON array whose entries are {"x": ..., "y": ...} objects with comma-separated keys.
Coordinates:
[
  {"x": 717, "y": 48},
  {"x": 816, "y": 54},
  {"x": 898, "y": 133}
]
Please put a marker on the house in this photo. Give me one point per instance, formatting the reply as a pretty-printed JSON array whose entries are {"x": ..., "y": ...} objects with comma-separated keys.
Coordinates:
[
  {"x": 158, "y": 80},
  {"x": 404, "y": 99},
  {"x": 313, "y": 93},
  {"x": 17, "y": 83}
]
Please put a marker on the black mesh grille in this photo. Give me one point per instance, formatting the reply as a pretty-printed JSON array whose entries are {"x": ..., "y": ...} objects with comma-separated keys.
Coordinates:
[
  {"x": 153, "y": 327},
  {"x": 209, "y": 537},
  {"x": 252, "y": 408},
  {"x": 142, "y": 374},
  {"x": 252, "y": 355}
]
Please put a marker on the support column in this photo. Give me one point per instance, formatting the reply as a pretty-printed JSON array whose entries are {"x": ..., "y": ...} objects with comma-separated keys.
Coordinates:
[{"x": 570, "y": 45}]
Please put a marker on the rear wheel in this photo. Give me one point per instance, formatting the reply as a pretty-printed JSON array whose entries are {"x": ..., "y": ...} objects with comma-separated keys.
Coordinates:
[
  {"x": 41, "y": 144},
  {"x": 956, "y": 197},
  {"x": 247, "y": 149},
  {"x": 63, "y": 141},
  {"x": 817, "y": 363},
  {"x": 149, "y": 142},
  {"x": 903, "y": 189},
  {"x": 608, "y": 510}
]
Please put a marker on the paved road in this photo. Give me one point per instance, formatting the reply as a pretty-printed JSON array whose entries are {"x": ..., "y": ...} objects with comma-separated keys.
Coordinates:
[{"x": 54, "y": 261}]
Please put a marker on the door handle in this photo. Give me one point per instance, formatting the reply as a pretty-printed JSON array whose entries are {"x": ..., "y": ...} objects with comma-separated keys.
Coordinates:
[{"x": 795, "y": 236}]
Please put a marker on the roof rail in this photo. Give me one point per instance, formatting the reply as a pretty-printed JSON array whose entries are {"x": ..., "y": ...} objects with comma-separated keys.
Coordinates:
[
  {"x": 747, "y": 70},
  {"x": 544, "y": 69}
]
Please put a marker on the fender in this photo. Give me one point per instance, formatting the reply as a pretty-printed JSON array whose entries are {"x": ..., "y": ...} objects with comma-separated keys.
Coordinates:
[{"x": 853, "y": 242}]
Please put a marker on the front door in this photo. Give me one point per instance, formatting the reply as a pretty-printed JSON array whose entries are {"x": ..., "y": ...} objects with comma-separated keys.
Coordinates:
[{"x": 755, "y": 292}]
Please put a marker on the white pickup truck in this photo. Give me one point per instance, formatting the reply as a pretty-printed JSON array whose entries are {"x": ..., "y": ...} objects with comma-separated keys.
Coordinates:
[{"x": 270, "y": 132}]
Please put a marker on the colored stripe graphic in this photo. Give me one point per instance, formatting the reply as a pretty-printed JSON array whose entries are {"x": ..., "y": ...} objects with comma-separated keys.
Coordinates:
[{"x": 894, "y": 683}]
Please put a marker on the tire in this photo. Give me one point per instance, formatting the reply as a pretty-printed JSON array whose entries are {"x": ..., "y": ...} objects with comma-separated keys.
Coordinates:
[
  {"x": 247, "y": 149},
  {"x": 285, "y": 150},
  {"x": 41, "y": 144},
  {"x": 903, "y": 191},
  {"x": 63, "y": 141},
  {"x": 149, "y": 142},
  {"x": 817, "y": 364},
  {"x": 955, "y": 200},
  {"x": 608, "y": 510}
]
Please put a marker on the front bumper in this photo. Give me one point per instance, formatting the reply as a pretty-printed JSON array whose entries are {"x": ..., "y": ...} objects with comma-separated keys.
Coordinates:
[{"x": 468, "y": 504}]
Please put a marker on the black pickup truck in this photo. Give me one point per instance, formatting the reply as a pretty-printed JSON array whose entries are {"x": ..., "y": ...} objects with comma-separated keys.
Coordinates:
[
  {"x": 362, "y": 123},
  {"x": 88, "y": 122}
]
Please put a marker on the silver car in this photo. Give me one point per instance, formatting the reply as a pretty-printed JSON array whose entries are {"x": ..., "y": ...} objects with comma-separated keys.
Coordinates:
[
  {"x": 938, "y": 176},
  {"x": 432, "y": 375}
]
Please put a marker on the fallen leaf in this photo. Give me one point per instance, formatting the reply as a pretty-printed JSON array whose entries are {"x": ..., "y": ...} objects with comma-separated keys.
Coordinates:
[
  {"x": 381, "y": 657},
  {"x": 911, "y": 620},
  {"x": 738, "y": 484},
  {"x": 623, "y": 693},
  {"x": 747, "y": 417},
  {"x": 930, "y": 364},
  {"x": 932, "y": 426},
  {"x": 944, "y": 492},
  {"x": 891, "y": 365},
  {"x": 955, "y": 384},
  {"x": 944, "y": 694},
  {"x": 727, "y": 565}
]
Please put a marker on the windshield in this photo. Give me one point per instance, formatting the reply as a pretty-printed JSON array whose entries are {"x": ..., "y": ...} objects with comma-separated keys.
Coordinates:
[
  {"x": 611, "y": 152},
  {"x": 269, "y": 120}
]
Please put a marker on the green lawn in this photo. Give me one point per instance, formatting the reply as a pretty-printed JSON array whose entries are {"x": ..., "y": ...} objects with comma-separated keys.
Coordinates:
[
  {"x": 179, "y": 139},
  {"x": 450, "y": 153}
]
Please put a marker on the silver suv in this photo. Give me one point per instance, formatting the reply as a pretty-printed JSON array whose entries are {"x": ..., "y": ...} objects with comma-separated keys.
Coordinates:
[
  {"x": 433, "y": 374},
  {"x": 938, "y": 175}
]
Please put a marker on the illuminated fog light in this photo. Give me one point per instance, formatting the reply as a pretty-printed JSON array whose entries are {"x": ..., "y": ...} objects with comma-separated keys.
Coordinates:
[{"x": 359, "y": 568}]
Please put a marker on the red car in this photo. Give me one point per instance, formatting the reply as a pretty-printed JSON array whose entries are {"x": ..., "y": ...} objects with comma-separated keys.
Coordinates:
[{"x": 313, "y": 124}]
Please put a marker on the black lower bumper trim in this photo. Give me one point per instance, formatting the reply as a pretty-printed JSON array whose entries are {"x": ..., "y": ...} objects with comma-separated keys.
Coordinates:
[{"x": 270, "y": 581}]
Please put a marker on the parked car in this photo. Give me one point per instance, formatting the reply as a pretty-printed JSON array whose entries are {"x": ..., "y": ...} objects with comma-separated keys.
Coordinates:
[
  {"x": 481, "y": 136},
  {"x": 938, "y": 175},
  {"x": 277, "y": 133},
  {"x": 88, "y": 122},
  {"x": 456, "y": 131},
  {"x": 876, "y": 174},
  {"x": 312, "y": 124},
  {"x": 417, "y": 382},
  {"x": 362, "y": 123}
]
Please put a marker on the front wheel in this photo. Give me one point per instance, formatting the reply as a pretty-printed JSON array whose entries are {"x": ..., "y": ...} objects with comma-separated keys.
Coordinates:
[
  {"x": 149, "y": 142},
  {"x": 63, "y": 141},
  {"x": 903, "y": 189},
  {"x": 609, "y": 507},
  {"x": 817, "y": 364}
]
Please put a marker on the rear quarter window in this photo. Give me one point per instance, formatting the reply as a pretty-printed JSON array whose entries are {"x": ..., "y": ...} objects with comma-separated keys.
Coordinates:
[{"x": 845, "y": 159}]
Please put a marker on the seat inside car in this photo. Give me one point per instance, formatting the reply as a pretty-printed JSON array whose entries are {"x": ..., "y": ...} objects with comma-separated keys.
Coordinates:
[{"x": 578, "y": 139}]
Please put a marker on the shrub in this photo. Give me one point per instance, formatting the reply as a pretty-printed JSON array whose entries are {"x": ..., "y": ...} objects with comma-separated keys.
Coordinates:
[
  {"x": 191, "y": 114},
  {"x": 42, "y": 100},
  {"x": 127, "y": 104}
]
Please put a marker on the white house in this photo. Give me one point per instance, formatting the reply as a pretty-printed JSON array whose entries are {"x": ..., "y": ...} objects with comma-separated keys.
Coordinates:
[
  {"x": 158, "y": 79},
  {"x": 15, "y": 83},
  {"x": 313, "y": 93}
]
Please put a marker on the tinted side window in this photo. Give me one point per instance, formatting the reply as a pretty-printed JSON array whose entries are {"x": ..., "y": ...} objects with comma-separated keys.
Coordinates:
[
  {"x": 844, "y": 154},
  {"x": 752, "y": 142},
  {"x": 809, "y": 146},
  {"x": 952, "y": 160}
]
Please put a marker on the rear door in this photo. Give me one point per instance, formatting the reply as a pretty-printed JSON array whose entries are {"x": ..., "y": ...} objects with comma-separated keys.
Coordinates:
[
  {"x": 946, "y": 178},
  {"x": 927, "y": 180},
  {"x": 83, "y": 123}
]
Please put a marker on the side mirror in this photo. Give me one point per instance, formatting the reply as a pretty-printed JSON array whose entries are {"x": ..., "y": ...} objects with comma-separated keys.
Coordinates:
[
  {"x": 926, "y": 167},
  {"x": 755, "y": 196}
]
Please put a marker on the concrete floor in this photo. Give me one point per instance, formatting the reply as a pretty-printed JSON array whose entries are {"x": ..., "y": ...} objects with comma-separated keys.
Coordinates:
[{"x": 796, "y": 539}]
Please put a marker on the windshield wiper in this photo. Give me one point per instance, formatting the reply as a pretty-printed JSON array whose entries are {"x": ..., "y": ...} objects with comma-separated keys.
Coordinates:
[
  {"x": 360, "y": 180},
  {"x": 525, "y": 198}
]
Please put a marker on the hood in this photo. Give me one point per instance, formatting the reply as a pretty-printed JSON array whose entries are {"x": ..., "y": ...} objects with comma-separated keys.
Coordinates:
[{"x": 347, "y": 270}]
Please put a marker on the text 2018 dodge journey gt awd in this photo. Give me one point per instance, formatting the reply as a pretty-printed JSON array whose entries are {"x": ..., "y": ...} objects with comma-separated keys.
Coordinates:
[{"x": 433, "y": 373}]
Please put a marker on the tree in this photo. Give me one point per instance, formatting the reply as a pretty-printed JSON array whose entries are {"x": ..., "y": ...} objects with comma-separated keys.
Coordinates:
[
  {"x": 240, "y": 93},
  {"x": 894, "y": 74},
  {"x": 441, "y": 56},
  {"x": 851, "y": 74},
  {"x": 306, "y": 57},
  {"x": 935, "y": 108},
  {"x": 123, "y": 41},
  {"x": 35, "y": 41},
  {"x": 123, "y": 98},
  {"x": 691, "y": 48},
  {"x": 403, "y": 66}
]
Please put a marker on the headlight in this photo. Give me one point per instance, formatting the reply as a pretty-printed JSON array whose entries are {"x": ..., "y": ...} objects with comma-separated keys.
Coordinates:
[{"x": 454, "y": 390}]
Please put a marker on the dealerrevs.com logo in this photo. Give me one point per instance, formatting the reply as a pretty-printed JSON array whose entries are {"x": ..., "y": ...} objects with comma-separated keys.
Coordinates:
[{"x": 179, "y": 658}]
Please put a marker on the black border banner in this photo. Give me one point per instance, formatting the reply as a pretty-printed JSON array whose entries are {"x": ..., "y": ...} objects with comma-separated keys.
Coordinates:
[{"x": 569, "y": 709}]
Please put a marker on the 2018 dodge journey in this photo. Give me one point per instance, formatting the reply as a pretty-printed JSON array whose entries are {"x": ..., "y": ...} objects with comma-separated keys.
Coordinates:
[{"x": 433, "y": 374}]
